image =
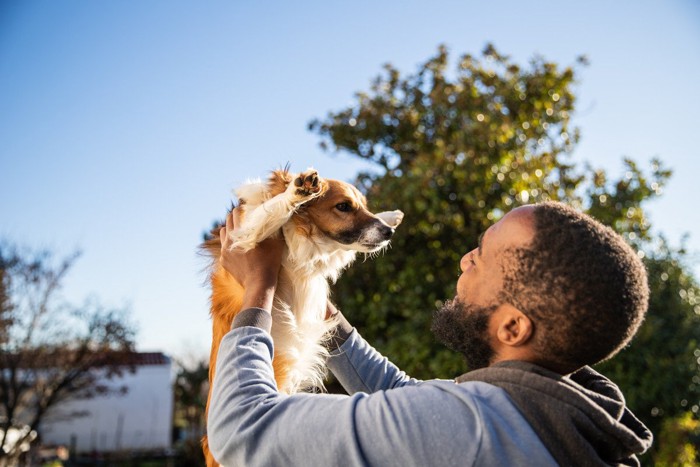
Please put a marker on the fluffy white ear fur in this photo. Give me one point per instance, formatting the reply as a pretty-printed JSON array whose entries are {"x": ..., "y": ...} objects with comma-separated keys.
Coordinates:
[
  {"x": 253, "y": 191},
  {"x": 391, "y": 218}
]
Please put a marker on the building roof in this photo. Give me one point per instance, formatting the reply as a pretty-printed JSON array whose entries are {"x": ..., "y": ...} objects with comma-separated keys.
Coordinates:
[
  {"x": 148, "y": 358},
  {"x": 63, "y": 358}
]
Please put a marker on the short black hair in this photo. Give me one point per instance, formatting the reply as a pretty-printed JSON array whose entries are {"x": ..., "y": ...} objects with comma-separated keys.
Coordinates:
[{"x": 584, "y": 288}]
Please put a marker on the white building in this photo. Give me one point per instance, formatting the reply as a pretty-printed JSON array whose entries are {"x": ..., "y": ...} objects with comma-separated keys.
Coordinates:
[{"x": 139, "y": 420}]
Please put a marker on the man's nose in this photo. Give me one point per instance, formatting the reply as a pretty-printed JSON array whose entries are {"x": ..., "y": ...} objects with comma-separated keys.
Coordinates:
[{"x": 463, "y": 262}]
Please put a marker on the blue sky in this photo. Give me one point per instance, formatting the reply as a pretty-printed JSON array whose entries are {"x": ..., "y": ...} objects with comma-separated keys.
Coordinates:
[{"x": 124, "y": 125}]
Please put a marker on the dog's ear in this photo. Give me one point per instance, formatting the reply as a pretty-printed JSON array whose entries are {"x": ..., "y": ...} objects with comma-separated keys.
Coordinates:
[
  {"x": 278, "y": 181},
  {"x": 391, "y": 218}
]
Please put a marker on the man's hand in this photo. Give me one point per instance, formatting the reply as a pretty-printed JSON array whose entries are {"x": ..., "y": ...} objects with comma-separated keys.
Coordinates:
[{"x": 257, "y": 269}]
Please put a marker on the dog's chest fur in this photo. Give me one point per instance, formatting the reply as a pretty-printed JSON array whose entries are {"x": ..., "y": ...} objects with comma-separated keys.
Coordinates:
[{"x": 299, "y": 327}]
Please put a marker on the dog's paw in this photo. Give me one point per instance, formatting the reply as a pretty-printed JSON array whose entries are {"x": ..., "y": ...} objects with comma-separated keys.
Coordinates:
[{"x": 306, "y": 185}]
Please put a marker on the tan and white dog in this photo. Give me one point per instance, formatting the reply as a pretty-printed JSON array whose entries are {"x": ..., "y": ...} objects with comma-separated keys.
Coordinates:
[{"x": 325, "y": 223}]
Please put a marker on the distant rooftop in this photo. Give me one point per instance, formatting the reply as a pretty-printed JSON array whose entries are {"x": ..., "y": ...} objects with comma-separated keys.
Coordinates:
[{"x": 148, "y": 358}]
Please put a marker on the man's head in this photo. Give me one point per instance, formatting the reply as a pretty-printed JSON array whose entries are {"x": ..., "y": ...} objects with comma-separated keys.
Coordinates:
[{"x": 553, "y": 286}]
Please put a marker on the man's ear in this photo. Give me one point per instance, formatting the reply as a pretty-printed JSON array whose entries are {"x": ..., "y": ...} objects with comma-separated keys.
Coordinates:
[{"x": 513, "y": 327}]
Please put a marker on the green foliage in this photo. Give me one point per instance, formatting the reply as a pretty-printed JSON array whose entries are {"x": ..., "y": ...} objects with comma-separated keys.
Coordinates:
[
  {"x": 618, "y": 203},
  {"x": 191, "y": 388},
  {"x": 679, "y": 439},
  {"x": 455, "y": 150},
  {"x": 659, "y": 372}
]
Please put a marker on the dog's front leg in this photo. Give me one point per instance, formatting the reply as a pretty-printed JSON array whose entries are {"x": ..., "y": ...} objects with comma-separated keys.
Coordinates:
[{"x": 268, "y": 217}]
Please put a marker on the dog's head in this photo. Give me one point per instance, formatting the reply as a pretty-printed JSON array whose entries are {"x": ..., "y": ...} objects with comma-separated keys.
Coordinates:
[{"x": 341, "y": 217}]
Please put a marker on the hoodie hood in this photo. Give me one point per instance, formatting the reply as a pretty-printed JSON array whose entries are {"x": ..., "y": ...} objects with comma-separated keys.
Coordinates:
[{"x": 581, "y": 418}]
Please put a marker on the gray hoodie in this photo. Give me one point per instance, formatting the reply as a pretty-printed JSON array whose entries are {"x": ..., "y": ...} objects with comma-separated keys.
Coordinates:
[
  {"x": 389, "y": 418},
  {"x": 581, "y": 418}
]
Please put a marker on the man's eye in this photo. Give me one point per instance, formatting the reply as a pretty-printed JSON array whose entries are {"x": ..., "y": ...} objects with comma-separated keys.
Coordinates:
[{"x": 343, "y": 207}]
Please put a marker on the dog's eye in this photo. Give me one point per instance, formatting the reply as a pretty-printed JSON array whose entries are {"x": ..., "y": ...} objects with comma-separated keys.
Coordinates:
[{"x": 343, "y": 207}]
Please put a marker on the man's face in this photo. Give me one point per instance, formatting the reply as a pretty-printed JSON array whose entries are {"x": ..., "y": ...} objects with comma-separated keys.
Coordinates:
[
  {"x": 463, "y": 324},
  {"x": 481, "y": 280}
]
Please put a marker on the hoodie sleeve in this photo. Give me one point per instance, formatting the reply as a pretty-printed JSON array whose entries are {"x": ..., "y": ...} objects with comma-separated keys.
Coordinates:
[
  {"x": 250, "y": 423},
  {"x": 360, "y": 368}
]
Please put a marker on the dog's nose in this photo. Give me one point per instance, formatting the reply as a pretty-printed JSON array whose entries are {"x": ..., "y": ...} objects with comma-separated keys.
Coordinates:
[{"x": 387, "y": 232}]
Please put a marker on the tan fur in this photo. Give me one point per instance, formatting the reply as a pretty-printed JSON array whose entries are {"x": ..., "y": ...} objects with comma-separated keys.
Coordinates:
[{"x": 317, "y": 233}]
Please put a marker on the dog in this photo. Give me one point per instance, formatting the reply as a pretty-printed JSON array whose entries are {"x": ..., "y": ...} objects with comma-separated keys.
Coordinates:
[{"x": 325, "y": 223}]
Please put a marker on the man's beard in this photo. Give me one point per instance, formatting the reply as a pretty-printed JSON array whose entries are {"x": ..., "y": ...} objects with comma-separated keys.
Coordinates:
[{"x": 463, "y": 327}]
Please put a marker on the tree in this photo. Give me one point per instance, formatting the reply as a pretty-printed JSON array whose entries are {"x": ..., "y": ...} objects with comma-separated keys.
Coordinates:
[
  {"x": 191, "y": 389},
  {"x": 660, "y": 370},
  {"x": 455, "y": 151},
  {"x": 50, "y": 351}
]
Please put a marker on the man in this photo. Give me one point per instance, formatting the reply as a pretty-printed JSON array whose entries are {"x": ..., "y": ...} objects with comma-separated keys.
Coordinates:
[{"x": 547, "y": 292}]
